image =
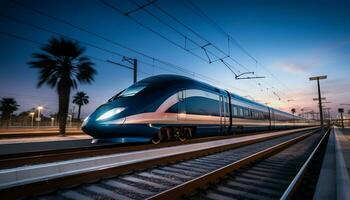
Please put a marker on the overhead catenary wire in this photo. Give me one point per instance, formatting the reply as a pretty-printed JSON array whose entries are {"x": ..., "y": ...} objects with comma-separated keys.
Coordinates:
[
  {"x": 201, "y": 37},
  {"x": 201, "y": 13},
  {"x": 183, "y": 70},
  {"x": 122, "y": 46},
  {"x": 230, "y": 38},
  {"x": 111, "y": 41},
  {"x": 151, "y": 30},
  {"x": 187, "y": 38},
  {"x": 217, "y": 58},
  {"x": 89, "y": 56},
  {"x": 229, "y": 66}
]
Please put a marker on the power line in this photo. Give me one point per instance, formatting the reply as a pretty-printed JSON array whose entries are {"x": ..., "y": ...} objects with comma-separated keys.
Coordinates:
[
  {"x": 150, "y": 29},
  {"x": 118, "y": 44},
  {"x": 208, "y": 43},
  {"x": 197, "y": 34},
  {"x": 121, "y": 45},
  {"x": 218, "y": 58},
  {"x": 219, "y": 28},
  {"x": 102, "y": 37},
  {"x": 200, "y": 76},
  {"x": 143, "y": 7},
  {"x": 231, "y": 38}
]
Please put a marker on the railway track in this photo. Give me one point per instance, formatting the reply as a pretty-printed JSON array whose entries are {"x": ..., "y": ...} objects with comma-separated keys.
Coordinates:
[
  {"x": 275, "y": 173},
  {"x": 168, "y": 180},
  {"x": 51, "y": 155}
]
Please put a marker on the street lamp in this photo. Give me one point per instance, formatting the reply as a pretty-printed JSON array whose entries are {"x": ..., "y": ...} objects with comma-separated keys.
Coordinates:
[
  {"x": 39, "y": 113},
  {"x": 32, "y": 115},
  {"x": 318, "y": 78},
  {"x": 52, "y": 121}
]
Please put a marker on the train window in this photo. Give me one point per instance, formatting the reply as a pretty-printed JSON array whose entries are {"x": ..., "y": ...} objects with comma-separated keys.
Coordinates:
[
  {"x": 241, "y": 112},
  {"x": 246, "y": 113},
  {"x": 235, "y": 112},
  {"x": 202, "y": 103},
  {"x": 132, "y": 90},
  {"x": 115, "y": 96}
]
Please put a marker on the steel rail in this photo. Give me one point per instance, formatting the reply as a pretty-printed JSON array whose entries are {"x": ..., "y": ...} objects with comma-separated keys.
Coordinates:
[
  {"x": 294, "y": 185},
  {"x": 190, "y": 186},
  {"x": 47, "y": 185}
]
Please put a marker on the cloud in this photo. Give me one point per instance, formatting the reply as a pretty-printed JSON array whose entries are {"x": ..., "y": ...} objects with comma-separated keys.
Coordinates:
[
  {"x": 317, "y": 57},
  {"x": 293, "y": 67}
]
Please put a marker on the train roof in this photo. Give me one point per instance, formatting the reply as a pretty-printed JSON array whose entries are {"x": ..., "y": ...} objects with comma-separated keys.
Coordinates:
[{"x": 169, "y": 79}]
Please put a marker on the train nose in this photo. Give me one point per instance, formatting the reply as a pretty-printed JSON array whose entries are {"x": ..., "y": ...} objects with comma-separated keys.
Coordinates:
[{"x": 102, "y": 129}]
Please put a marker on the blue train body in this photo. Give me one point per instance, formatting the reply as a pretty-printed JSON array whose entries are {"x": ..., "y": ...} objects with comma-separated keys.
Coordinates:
[{"x": 170, "y": 106}]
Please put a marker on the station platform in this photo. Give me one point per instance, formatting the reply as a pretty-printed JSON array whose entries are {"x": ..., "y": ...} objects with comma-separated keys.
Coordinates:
[
  {"x": 334, "y": 179},
  {"x": 32, "y": 144},
  {"x": 36, "y": 132}
]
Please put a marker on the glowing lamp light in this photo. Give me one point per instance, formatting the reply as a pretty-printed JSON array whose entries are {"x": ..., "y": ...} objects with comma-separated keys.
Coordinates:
[{"x": 110, "y": 113}]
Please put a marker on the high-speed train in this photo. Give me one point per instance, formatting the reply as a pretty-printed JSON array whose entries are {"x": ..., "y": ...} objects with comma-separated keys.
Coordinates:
[{"x": 165, "y": 107}]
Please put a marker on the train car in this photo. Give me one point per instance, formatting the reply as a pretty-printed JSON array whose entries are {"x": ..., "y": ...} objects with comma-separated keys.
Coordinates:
[{"x": 165, "y": 107}]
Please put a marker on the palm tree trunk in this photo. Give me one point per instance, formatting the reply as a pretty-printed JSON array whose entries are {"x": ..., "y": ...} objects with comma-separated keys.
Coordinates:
[
  {"x": 79, "y": 109},
  {"x": 7, "y": 124},
  {"x": 63, "y": 105}
]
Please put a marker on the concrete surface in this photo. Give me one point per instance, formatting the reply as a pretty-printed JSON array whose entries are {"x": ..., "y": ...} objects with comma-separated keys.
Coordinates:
[
  {"x": 334, "y": 180},
  {"x": 20, "y": 145}
]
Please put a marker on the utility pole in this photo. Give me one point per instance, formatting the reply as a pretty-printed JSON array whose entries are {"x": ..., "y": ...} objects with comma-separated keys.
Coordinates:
[
  {"x": 135, "y": 70},
  {"x": 318, "y": 78},
  {"x": 132, "y": 61},
  {"x": 341, "y": 110}
]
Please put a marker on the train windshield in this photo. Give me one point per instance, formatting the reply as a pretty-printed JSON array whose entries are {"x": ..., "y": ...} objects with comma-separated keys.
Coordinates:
[
  {"x": 128, "y": 92},
  {"x": 131, "y": 91}
]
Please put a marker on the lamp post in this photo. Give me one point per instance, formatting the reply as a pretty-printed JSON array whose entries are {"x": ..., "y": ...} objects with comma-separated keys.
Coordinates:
[
  {"x": 73, "y": 109},
  {"x": 70, "y": 120},
  {"x": 52, "y": 122},
  {"x": 32, "y": 115},
  {"x": 318, "y": 78},
  {"x": 39, "y": 114}
]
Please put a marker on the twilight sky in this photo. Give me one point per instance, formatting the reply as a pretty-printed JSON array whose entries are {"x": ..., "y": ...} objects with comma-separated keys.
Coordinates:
[{"x": 292, "y": 40}]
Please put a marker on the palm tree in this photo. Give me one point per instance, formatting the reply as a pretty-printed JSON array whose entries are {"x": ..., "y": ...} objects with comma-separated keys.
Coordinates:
[
  {"x": 61, "y": 65},
  {"x": 7, "y": 107},
  {"x": 80, "y": 99}
]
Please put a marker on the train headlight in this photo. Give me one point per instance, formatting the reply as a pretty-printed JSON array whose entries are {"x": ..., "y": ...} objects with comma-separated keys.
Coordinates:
[
  {"x": 110, "y": 113},
  {"x": 85, "y": 121}
]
